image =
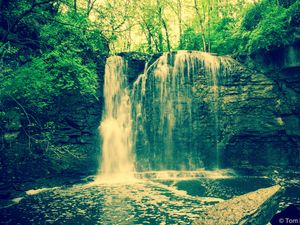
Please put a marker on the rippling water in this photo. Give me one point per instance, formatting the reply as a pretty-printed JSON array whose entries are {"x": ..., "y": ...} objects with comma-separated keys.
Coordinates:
[{"x": 158, "y": 200}]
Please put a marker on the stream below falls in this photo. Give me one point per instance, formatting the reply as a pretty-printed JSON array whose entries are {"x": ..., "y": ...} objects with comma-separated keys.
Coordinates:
[{"x": 154, "y": 198}]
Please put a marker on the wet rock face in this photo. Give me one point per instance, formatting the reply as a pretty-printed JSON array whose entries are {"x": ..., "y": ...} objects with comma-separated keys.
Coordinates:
[
  {"x": 78, "y": 118},
  {"x": 273, "y": 131},
  {"x": 256, "y": 122},
  {"x": 136, "y": 63}
]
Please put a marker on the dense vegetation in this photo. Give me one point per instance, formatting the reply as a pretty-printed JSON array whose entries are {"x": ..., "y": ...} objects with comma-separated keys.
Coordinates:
[
  {"x": 45, "y": 54},
  {"x": 46, "y": 45},
  {"x": 49, "y": 51},
  {"x": 49, "y": 48},
  {"x": 222, "y": 27},
  {"x": 51, "y": 40}
]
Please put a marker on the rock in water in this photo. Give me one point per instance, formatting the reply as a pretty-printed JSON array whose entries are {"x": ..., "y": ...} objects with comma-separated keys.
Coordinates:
[{"x": 245, "y": 209}]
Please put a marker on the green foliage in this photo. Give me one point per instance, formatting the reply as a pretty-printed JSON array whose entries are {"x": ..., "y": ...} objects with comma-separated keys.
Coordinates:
[
  {"x": 271, "y": 31},
  {"x": 75, "y": 32},
  {"x": 190, "y": 40},
  {"x": 264, "y": 26},
  {"x": 54, "y": 73},
  {"x": 246, "y": 28},
  {"x": 223, "y": 37},
  {"x": 47, "y": 57},
  {"x": 293, "y": 18},
  {"x": 12, "y": 120},
  {"x": 29, "y": 82},
  {"x": 49, "y": 53},
  {"x": 287, "y": 3},
  {"x": 60, "y": 62},
  {"x": 69, "y": 73},
  {"x": 253, "y": 16},
  {"x": 152, "y": 28}
]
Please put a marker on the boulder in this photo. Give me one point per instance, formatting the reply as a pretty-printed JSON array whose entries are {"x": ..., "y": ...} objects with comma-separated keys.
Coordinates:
[{"x": 253, "y": 208}]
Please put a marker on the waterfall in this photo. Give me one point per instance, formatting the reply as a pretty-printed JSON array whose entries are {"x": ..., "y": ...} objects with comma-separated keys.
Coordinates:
[
  {"x": 116, "y": 126},
  {"x": 162, "y": 109},
  {"x": 162, "y": 88},
  {"x": 156, "y": 119},
  {"x": 212, "y": 65}
]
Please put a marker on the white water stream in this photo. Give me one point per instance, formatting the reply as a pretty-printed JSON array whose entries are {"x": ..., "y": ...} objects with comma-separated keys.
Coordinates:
[{"x": 116, "y": 126}]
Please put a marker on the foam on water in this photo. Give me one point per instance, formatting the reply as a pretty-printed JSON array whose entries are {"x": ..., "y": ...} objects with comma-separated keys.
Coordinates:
[{"x": 38, "y": 191}]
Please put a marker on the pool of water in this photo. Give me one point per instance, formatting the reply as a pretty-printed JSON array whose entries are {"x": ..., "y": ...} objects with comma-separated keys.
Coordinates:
[{"x": 155, "y": 200}]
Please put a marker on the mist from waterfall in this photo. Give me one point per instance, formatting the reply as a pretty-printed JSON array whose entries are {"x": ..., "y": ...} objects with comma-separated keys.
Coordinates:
[{"x": 116, "y": 126}]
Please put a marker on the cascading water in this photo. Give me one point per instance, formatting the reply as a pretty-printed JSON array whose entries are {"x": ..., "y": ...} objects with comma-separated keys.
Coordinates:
[
  {"x": 116, "y": 126},
  {"x": 216, "y": 67},
  {"x": 162, "y": 109},
  {"x": 159, "y": 124},
  {"x": 161, "y": 98}
]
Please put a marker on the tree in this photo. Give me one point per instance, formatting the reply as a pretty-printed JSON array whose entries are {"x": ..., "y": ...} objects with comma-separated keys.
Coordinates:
[
  {"x": 201, "y": 18},
  {"x": 113, "y": 19},
  {"x": 164, "y": 25}
]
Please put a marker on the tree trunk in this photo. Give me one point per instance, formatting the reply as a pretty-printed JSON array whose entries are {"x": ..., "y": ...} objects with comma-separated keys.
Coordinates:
[
  {"x": 160, "y": 35},
  {"x": 75, "y": 5},
  {"x": 88, "y": 6},
  {"x": 147, "y": 31},
  {"x": 201, "y": 26},
  {"x": 179, "y": 9},
  {"x": 167, "y": 34},
  {"x": 209, "y": 25}
]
